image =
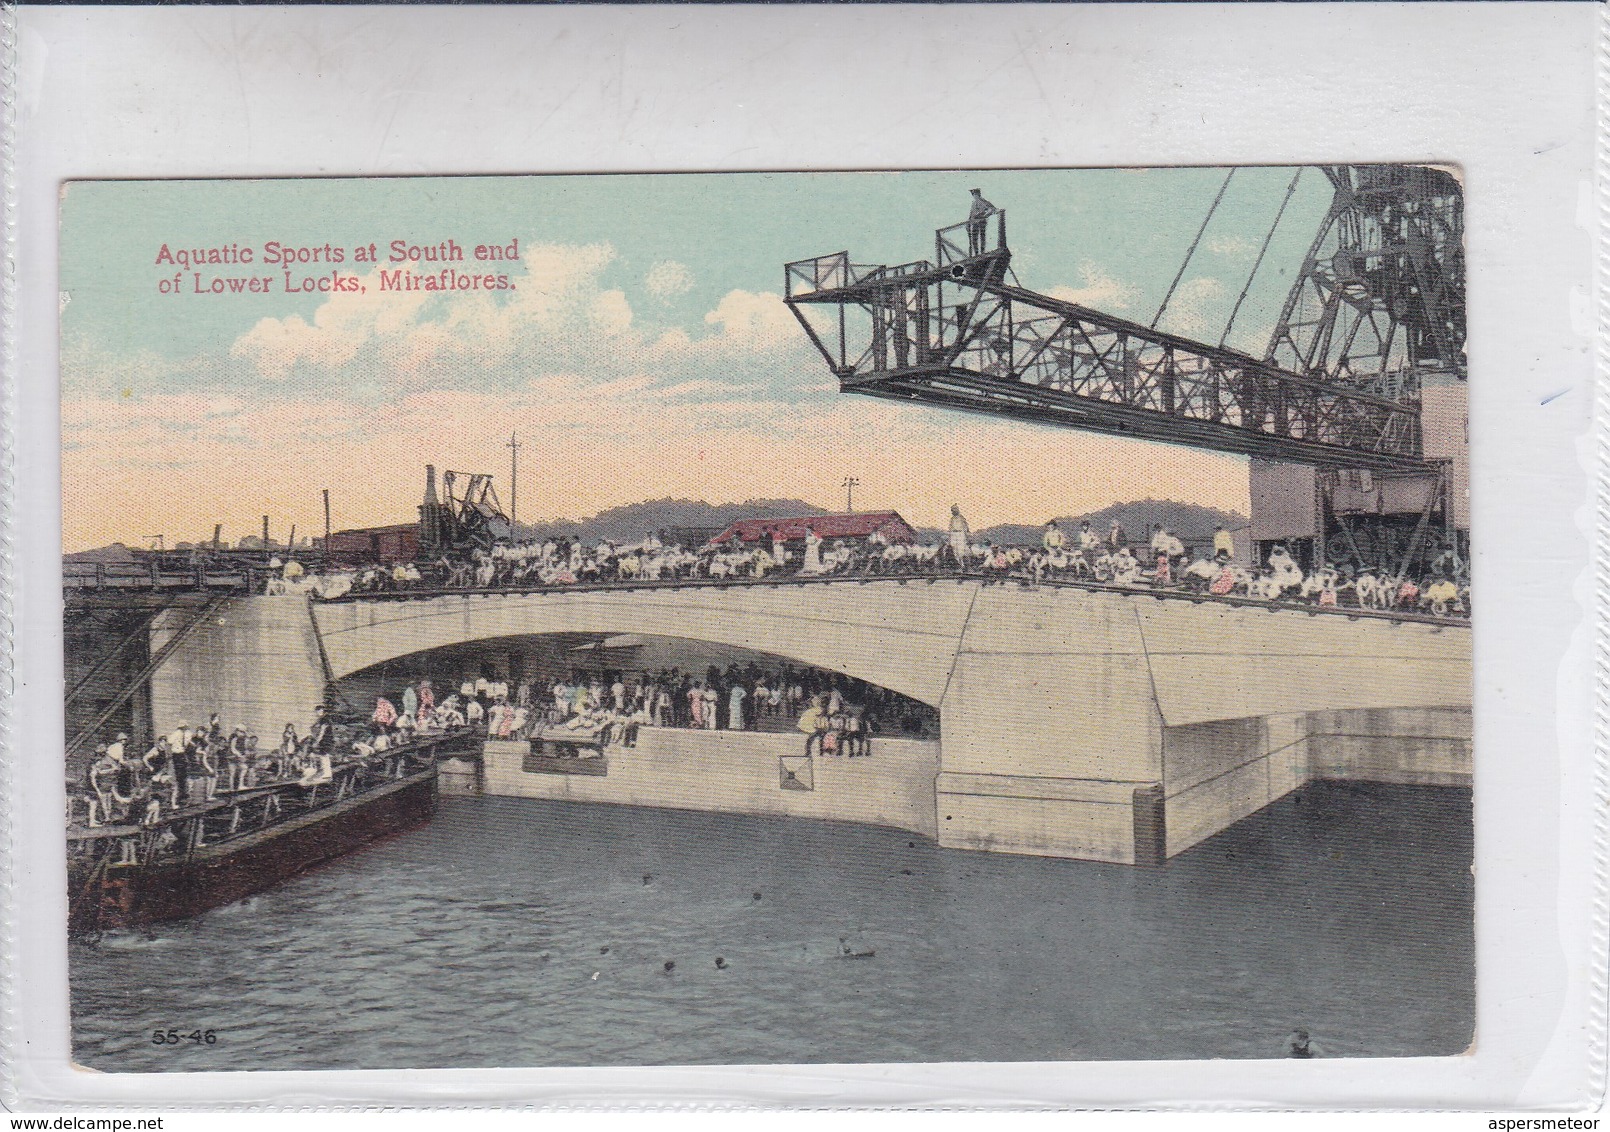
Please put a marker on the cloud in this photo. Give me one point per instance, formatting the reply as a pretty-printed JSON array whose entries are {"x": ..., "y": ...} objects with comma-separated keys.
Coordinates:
[
  {"x": 1236, "y": 246},
  {"x": 668, "y": 279},
  {"x": 558, "y": 315},
  {"x": 1198, "y": 308},
  {"x": 361, "y": 392},
  {"x": 752, "y": 320},
  {"x": 1098, "y": 290}
]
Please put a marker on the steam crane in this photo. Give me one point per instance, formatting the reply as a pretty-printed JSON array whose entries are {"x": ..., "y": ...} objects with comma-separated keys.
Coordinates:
[
  {"x": 466, "y": 516},
  {"x": 1353, "y": 417}
]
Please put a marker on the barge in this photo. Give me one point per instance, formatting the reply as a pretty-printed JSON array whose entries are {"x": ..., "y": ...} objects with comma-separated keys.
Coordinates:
[{"x": 244, "y": 841}]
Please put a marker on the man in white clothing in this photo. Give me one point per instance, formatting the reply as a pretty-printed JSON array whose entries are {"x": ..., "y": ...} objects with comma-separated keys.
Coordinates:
[{"x": 960, "y": 533}]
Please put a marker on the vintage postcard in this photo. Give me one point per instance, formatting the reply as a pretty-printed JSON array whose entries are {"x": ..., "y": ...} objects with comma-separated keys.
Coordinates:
[{"x": 1012, "y": 616}]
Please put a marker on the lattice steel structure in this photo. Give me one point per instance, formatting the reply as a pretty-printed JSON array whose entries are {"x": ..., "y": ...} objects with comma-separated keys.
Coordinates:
[
  {"x": 1380, "y": 298},
  {"x": 1381, "y": 294}
]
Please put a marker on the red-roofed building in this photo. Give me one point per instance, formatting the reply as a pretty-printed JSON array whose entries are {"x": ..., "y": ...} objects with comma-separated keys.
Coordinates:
[{"x": 856, "y": 526}]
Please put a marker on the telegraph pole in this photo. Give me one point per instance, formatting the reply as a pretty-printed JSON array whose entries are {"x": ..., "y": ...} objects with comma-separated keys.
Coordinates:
[
  {"x": 514, "y": 447},
  {"x": 849, "y": 485}
]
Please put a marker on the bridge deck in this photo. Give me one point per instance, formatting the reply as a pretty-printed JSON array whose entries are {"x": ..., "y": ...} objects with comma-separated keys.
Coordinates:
[{"x": 1352, "y": 613}]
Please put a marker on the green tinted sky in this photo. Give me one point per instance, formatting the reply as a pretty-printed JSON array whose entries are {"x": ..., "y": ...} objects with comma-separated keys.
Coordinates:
[{"x": 729, "y": 230}]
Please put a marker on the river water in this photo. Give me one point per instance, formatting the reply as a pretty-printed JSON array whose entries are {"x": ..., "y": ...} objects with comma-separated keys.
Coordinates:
[{"x": 516, "y": 932}]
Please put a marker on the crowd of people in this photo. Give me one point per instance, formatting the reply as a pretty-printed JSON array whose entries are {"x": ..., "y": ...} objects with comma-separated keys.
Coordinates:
[
  {"x": 192, "y": 766},
  {"x": 1111, "y": 557},
  {"x": 594, "y": 710}
]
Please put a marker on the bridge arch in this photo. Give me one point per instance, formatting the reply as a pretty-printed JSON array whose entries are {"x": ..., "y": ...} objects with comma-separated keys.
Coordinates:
[
  {"x": 543, "y": 659},
  {"x": 903, "y": 638}
]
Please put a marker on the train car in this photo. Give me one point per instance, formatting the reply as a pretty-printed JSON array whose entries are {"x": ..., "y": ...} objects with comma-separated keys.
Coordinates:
[{"x": 364, "y": 546}]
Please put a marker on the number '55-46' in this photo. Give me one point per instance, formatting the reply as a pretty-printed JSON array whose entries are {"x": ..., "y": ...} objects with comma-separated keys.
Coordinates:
[{"x": 174, "y": 1037}]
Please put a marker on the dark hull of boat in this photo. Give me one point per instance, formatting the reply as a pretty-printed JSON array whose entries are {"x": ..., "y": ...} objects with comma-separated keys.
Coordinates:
[{"x": 215, "y": 875}]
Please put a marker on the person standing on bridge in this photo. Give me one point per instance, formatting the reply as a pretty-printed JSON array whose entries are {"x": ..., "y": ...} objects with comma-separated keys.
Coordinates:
[
  {"x": 1223, "y": 543},
  {"x": 1117, "y": 537},
  {"x": 813, "y": 553},
  {"x": 410, "y": 699},
  {"x": 735, "y": 706},
  {"x": 960, "y": 534}
]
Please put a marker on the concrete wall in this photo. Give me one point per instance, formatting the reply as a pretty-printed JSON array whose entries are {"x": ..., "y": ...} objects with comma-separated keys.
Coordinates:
[
  {"x": 1219, "y": 772},
  {"x": 255, "y": 661},
  {"x": 738, "y": 773},
  {"x": 460, "y": 777},
  {"x": 1418, "y": 746},
  {"x": 1214, "y": 774}
]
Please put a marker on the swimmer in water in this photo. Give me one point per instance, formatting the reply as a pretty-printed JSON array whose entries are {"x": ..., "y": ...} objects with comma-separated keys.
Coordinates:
[{"x": 1301, "y": 1045}]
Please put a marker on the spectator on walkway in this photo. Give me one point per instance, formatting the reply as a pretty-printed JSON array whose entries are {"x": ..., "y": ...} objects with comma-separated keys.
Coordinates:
[
  {"x": 960, "y": 533},
  {"x": 1117, "y": 537},
  {"x": 1223, "y": 543}
]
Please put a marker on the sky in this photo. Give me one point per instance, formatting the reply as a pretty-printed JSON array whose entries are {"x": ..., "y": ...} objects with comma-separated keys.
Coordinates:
[{"x": 644, "y": 350}]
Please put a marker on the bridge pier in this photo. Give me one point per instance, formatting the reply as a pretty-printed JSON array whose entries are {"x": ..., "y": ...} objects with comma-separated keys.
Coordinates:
[{"x": 254, "y": 660}]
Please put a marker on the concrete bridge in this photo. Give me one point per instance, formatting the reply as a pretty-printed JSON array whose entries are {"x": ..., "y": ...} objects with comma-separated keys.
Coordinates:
[{"x": 1075, "y": 722}]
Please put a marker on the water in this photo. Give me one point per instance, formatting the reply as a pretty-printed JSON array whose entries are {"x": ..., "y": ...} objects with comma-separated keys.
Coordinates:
[{"x": 480, "y": 940}]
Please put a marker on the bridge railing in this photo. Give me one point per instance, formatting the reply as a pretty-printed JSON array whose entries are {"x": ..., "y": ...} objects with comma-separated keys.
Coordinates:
[{"x": 1174, "y": 592}]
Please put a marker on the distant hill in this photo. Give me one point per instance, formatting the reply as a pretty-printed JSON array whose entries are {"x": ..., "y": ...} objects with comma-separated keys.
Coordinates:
[
  {"x": 106, "y": 555},
  {"x": 629, "y": 523}
]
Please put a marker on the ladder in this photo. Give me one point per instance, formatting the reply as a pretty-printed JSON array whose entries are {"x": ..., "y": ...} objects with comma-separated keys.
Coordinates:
[{"x": 78, "y": 741}]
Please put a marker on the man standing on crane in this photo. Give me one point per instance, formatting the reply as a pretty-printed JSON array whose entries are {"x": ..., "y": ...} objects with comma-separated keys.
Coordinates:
[{"x": 978, "y": 223}]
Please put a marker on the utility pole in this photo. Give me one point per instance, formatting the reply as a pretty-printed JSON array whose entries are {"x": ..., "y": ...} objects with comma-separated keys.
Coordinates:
[
  {"x": 514, "y": 447},
  {"x": 326, "y": 524},
  {"x": 849, "y": 485}
]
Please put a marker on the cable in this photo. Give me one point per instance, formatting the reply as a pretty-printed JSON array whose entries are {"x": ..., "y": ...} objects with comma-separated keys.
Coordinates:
[
  {"x": 1257, "y": 263},
  {"x": 1192, "y": 249}
]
